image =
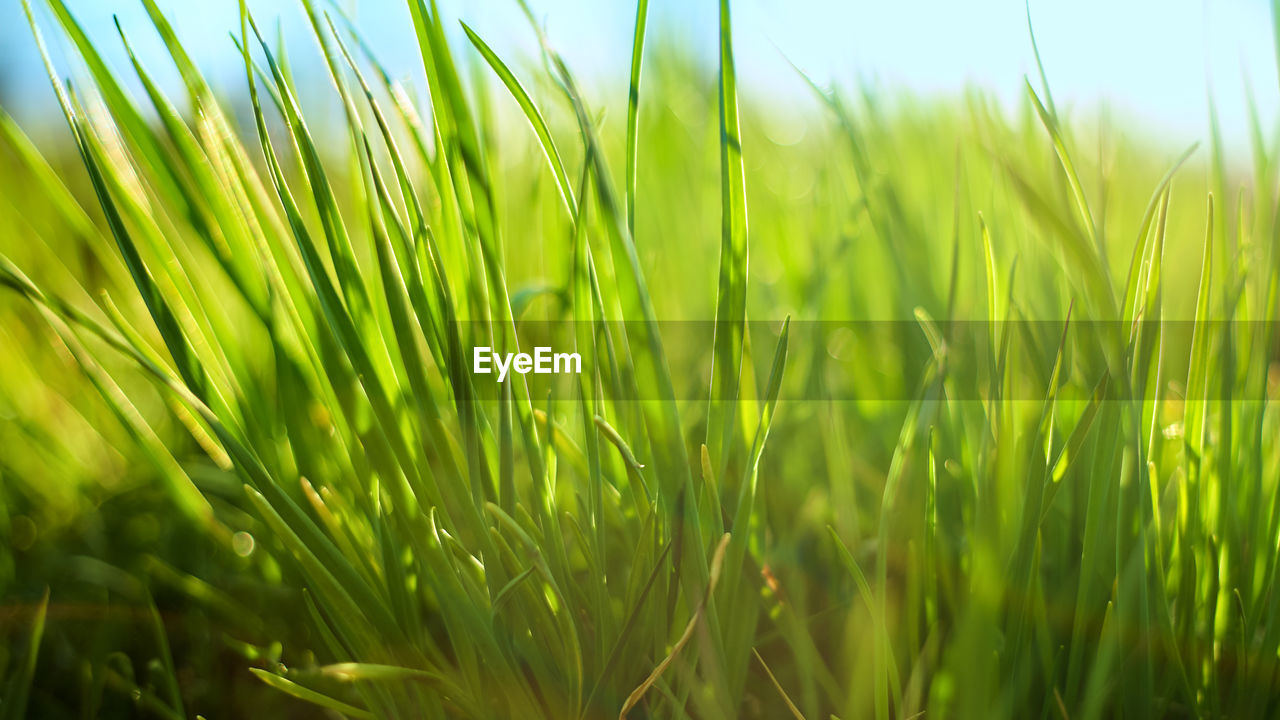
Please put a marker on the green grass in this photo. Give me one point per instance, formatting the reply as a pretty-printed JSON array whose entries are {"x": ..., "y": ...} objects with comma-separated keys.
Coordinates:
[{"x": 965, "y": 414}]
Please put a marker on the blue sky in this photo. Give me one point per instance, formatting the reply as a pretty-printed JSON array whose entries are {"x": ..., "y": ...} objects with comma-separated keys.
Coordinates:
[{"x": 1149, "y": 61}]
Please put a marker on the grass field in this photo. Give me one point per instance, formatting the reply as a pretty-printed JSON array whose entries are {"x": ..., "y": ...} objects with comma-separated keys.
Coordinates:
[{"x": 899, "y": 408}]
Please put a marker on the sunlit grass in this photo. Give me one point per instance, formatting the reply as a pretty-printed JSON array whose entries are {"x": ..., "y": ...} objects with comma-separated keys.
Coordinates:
[{"x": 956, "y": 412}]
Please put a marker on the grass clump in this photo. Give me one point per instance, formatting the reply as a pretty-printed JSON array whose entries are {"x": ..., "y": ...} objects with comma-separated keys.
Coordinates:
[{"x": 997, "y": 466}]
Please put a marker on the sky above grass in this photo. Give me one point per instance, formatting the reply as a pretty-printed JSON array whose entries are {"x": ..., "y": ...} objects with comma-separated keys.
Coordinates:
[{"x": 1151, "y": 62}]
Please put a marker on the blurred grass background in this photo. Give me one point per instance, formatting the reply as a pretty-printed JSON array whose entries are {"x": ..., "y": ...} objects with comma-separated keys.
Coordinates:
[{"x": 933, "y": 553}]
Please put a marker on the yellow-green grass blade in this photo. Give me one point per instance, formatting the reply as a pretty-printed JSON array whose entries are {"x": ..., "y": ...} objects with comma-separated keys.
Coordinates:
[
  {"x": 161, "y": 312},
  {"x": 18, "y": 692},
  {"x": 435, "y": 442},
  {"x": 1044, "y": 78},
  {"x": 566, "y": 195},
  {"x": 246, "y": 461},
  {"x": 1199, "y": 367},
  {"x": 1132, "y": 286},
  {"x": 747, "y": 532},
  {"x": 791, "y": 706},
  {"x": 629, "y": 627},
  {"x": 651, "y": 369},
  {"x": 439, "y": 323},
  {"x": 412, "y": 474},
  {"x": 341, "y": 251},
  {"x": 185, "y": 494},
  {"x": 316, "y": 698},
  {"x": 873, "y": 607},
  {"x": 534, "y": 117},
  {"x": 423, "y": 240},
  {"x": 633, "y": 111},
  {"x": 1022, "y": 571},
  {"x": 1089, "y": 259},
  {"x": 171, "y": 689},
  {"x": 131, "y": 122},
  {"x": 456, "y": 125},
  {"x": 55, "y": 190},
  {"x": 731, "y": 294},
  {"x": 225, "y": 243}
]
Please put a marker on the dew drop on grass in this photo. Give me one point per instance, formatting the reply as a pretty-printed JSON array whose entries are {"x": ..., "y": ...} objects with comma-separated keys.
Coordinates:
[{"x": 242, "y": 543}]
